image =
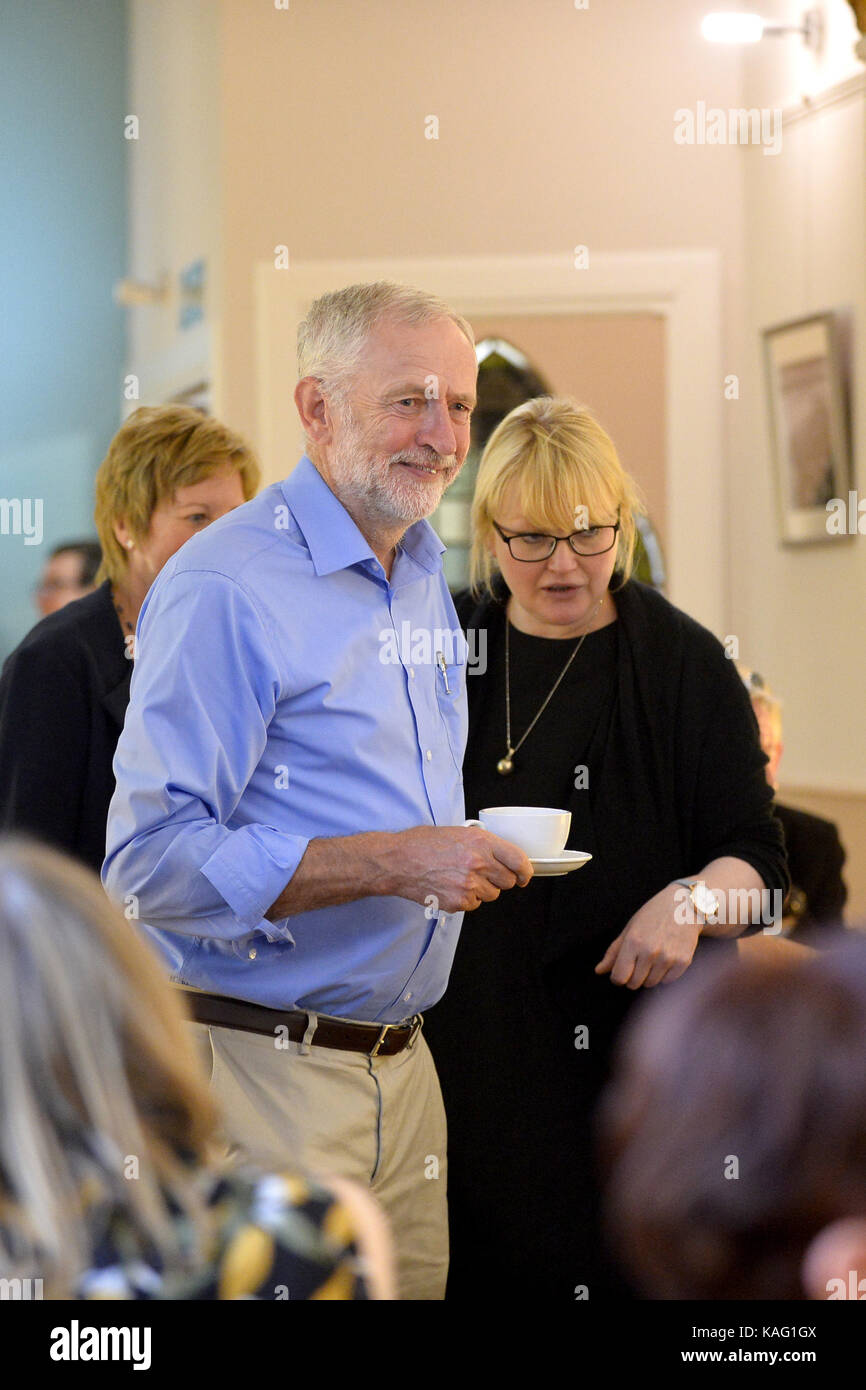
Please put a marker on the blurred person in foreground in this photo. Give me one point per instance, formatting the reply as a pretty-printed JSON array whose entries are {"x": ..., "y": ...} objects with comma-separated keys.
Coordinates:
[
  {"x": 289, "y": 805},
  {"x": 69, "y": 573},
  {"x": 109, "y": 1185},
  {"x": 734, "y": 1132},
  {"x": 815, "y": 854},
  {"x": 602, "y": 698},
  {"x": 169, "y": 472}
]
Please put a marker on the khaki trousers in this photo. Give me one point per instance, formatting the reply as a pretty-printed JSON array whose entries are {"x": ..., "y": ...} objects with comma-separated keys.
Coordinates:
[{"x": 317, "y": 1110}]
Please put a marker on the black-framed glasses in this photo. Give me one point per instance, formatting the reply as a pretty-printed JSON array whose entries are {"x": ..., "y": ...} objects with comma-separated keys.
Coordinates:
[{"x": 529, "y": 547}]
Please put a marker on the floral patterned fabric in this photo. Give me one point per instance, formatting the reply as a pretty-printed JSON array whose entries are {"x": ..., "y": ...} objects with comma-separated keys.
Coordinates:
[{"x": 274, "y": 1237}]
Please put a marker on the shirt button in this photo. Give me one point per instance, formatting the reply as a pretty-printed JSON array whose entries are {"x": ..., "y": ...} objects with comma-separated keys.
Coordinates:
[
  {"x": 429, "y": 756},
  {"x": 412, "y": 672},
  {"x": 407, "y": 997},
  {"x": 253, "y": 953}
]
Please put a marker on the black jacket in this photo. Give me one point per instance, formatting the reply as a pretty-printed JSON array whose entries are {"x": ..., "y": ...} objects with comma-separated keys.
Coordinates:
[
  {"x": 815, "y": 858},
  {"x": 63, "y": 697},
  {"x": 677, "y": 778}
]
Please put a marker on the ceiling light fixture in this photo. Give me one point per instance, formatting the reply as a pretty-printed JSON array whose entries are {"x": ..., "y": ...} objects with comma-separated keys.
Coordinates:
[{"x": 733, "y": 26}]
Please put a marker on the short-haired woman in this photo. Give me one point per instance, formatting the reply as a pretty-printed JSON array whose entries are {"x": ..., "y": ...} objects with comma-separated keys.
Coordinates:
[
  {"x": 169, "y": 472},
  {"x": 601, "y": 697},
  {"x": 110, "y": 1185}
]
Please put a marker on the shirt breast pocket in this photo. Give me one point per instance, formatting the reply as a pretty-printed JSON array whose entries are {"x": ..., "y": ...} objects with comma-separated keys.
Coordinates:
[{"x": 449, "y": 672}]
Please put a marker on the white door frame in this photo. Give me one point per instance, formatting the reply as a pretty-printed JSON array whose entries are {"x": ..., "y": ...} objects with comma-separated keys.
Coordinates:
[{"x": 682, "y": 286}]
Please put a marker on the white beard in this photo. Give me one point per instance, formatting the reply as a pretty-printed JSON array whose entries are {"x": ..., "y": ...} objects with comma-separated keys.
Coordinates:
[{"x": 375, "y": 487}]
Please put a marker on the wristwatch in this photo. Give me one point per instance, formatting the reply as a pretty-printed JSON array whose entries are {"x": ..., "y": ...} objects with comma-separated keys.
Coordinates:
[{"x": 702, "y": 897}]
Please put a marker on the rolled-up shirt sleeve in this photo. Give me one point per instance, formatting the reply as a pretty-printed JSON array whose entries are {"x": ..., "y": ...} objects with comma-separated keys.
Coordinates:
[{"x": 205, "y": 688}]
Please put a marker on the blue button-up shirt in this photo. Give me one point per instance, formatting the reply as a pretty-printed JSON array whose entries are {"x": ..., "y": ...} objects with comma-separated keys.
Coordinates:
[{"x": 285, "y": 689}]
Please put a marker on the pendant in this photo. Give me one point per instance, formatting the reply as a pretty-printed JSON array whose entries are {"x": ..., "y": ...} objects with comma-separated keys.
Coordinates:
[{"x": 505, "y": 765}]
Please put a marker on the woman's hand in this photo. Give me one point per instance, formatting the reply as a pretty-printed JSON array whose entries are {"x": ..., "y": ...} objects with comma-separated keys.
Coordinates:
[{"x": 652, "y": 947}]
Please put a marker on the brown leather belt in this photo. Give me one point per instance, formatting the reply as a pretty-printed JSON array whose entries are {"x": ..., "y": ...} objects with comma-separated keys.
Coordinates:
[{"x": 374, "y": 1039}]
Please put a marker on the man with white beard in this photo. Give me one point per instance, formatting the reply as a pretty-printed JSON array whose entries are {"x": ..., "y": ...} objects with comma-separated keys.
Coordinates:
[{"x": 287, "y": 825}]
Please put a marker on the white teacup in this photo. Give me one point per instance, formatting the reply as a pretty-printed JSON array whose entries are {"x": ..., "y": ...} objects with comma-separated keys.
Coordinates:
[{"x": 540, "y": 831}]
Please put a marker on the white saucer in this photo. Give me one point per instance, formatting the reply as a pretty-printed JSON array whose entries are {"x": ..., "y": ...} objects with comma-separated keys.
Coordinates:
[{"x": 562, "y": 864}]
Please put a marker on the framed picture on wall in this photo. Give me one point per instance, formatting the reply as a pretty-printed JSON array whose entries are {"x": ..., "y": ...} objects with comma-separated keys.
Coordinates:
[{"x": 807, "y": 402}]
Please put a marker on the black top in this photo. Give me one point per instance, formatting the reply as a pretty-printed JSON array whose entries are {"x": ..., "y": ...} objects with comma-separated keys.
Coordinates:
[
  {"x": 545, "y": 766},
  {"x": 63, "y": 697},
  {"x": 674, "y": 778},
  {"x": 676, "y": 775},
  {"x": 815, "y": 859}
]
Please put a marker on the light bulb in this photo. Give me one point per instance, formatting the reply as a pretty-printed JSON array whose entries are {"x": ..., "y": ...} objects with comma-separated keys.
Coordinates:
[{"x": 726, "y": 26}]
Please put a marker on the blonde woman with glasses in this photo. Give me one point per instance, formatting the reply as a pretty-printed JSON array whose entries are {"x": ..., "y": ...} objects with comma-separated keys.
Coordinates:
[
  {"x": 109, "y": 1182},
  {"x": 600, "y": 697}
]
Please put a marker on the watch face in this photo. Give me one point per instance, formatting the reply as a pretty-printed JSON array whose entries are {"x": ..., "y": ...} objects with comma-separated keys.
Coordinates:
[{"x": 705, "y": 900}]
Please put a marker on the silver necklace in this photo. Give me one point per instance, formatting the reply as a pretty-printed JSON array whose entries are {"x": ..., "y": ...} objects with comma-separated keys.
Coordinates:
[{"x": 506, "y": 764}]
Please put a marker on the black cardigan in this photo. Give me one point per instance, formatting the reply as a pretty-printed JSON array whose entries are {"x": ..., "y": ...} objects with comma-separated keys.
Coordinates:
[
  {"x": 63, "y": 698},
  {"x": 681, "y": 754},
  {"x": 816, "y": 859}
]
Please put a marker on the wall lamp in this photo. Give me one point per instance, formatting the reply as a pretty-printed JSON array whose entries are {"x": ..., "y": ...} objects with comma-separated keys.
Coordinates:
[
  {"x": 130, "y": 293},
  {"x": 732, "y": 26}
]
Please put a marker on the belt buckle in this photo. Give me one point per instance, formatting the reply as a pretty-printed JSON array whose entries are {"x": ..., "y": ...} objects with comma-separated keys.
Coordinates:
[
  {"x": 374, "y": 1052},
  {"x": 417, "y": 1021}
]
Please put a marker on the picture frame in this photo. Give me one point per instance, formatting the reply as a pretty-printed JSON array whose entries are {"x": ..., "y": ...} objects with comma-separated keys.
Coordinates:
[{"x": 807, "y": 400}]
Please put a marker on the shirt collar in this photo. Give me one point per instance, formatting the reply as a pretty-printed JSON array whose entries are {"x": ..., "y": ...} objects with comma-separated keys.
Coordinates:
[{"x": 333, "y": 539}]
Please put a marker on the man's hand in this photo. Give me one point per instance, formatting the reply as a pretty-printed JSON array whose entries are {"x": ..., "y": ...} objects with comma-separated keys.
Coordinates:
[
  {"x": 653, "y": 947},
  {"x": 461, "y": 866}
]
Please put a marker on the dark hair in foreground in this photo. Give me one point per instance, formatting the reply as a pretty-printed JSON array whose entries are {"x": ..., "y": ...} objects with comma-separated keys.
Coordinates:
[{"x": 735, "y": 1128}]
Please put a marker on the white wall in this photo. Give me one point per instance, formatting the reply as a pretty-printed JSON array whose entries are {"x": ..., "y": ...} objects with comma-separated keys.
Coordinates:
[
  {"x": 556, "y": 128},
  {"x": 799, "y": 610},
  {"x": 175, "y": 196}
]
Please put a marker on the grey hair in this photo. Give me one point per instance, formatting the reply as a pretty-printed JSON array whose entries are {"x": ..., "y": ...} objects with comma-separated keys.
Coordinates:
[
  {"x": 758, "y": 689},
  {"x": 331, "y": 338}
]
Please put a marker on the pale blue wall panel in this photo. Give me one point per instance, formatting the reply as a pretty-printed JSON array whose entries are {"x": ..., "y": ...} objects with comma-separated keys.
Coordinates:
[{"x": 62, "y": 246}]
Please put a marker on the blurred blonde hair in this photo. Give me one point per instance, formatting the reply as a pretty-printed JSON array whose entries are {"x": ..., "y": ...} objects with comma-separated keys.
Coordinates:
[
  {"x": 332, "y": 337},
  {"x": 96, "y": 1068},
  {"x": 156, "y": 451},
  {"x": 556, "y": 457}
]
